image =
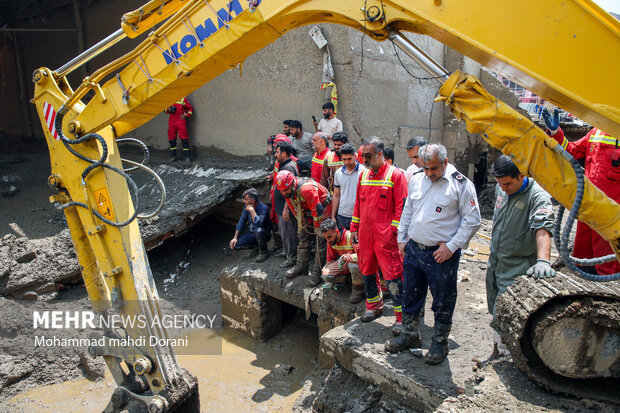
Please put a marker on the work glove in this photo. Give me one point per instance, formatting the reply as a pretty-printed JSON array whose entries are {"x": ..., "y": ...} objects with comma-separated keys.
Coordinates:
[
  {"x": 541, "y": 269},
  {"x": 552, "y": 123}
]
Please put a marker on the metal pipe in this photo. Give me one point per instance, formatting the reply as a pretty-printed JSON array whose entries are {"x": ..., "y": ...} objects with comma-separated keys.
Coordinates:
[
  {"x": 421, "y": 58},
  {"x": 97, "y": 49}
]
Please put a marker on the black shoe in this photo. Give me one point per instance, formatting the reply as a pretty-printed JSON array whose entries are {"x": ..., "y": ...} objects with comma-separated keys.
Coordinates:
[
  {"x": 437, "y": 353},
  {"x": 371, "y": 315},
  {"x": 314, "y": 280},
  {"x": 404, "y": 341}
]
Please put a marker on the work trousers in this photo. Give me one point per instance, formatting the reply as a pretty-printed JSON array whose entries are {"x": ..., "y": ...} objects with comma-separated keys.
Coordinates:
[
  {"x": 306, "y": 238},
  {"x": 422, "y": 272},
  {"x": 259, "y": 237},
  {"x": 333, "y": 274},
  {"x": 343, "y": 222},
  {"x": 288, "y": 232}
]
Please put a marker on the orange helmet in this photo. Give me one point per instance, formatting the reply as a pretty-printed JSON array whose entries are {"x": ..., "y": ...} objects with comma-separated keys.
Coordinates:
[
  {"x": 280, "y": 137},
  {"x": 284, "y": 180}
]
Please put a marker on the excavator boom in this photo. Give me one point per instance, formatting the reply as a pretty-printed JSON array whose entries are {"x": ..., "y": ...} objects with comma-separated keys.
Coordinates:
[{"x": 199, "y": 39}]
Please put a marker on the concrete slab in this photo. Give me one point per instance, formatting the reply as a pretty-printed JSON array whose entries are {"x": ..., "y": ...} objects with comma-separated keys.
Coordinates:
[
  {"x": 251, "y": 294},
  {"x": 359, "y": 348}
]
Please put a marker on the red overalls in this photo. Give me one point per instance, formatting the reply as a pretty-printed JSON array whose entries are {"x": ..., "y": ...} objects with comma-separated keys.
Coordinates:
[
  {"x": 599, "y": 150},
  {"x": 177, "y": 124},
  {"x": 317, "y": 164},
  {"x": 376, "y": 215}
]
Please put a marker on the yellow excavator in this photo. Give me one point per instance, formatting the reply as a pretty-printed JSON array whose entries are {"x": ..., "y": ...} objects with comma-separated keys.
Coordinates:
[{"x": 190, "y": 42}]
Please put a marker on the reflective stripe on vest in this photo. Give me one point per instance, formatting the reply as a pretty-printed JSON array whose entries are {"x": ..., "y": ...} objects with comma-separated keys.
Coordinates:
[
  {"x": 385, "y": 182},
  {"x": 347, "y": 246},
  {"x": 330, "y": 160},
  {"x": 600, "y": 137}
]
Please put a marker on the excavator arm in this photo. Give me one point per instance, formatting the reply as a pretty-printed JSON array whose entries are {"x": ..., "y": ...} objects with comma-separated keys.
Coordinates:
[{"x": 198, "y": 39}]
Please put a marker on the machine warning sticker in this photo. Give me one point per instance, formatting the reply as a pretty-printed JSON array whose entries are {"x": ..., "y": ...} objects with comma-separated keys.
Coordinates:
[{"x": 104, "y": 206}]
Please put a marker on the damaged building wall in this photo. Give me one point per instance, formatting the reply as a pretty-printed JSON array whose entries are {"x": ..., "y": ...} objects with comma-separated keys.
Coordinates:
[{"x": 238, "y": 110}]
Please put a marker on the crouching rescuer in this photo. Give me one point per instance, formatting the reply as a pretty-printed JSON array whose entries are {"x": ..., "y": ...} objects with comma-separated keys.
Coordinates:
[
  {"x": 342, "y": 259},
  {"x": 308, "y": 200}
]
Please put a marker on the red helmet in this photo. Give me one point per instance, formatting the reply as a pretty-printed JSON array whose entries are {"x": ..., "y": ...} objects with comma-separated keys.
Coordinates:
[
  {"x": 280, "y": 137},
  {"x": 284, "y": 180}
]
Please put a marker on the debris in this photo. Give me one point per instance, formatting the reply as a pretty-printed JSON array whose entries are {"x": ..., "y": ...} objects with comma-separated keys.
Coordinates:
[
  {"x": 284, "y": 369},
  {"x": 418, "y": 352}
]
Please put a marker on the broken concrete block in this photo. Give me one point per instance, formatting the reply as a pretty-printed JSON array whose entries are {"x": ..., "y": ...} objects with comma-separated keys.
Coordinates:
[{"x": 22, "y": 251}]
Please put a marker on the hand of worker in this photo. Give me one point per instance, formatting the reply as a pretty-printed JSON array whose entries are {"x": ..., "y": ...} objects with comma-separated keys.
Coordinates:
[
  {"x": 285, "y": 214},
  {"x": 354, "y": 236},
  {"x": 541, "y": 269},
  {"x": 348, "y": 258},
  {"x": 249, "y": 208},
  {"x": 442, "y": 253},
  {"x": 552, "y": 123},
  {"x": 233, "y": 243},
  {"x": 401, "y": 249}
]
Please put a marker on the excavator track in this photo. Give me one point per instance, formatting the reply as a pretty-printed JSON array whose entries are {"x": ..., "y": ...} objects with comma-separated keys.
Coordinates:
[{"x": 564, "y": 334}]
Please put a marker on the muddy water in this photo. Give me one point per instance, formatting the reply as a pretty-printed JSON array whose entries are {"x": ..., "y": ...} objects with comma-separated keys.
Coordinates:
[{"x": 245, "y": 378}]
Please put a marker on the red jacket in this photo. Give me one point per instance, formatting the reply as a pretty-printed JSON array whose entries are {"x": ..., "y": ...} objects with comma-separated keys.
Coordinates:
[
  {"x": 330, "y": 164},
  {"x": 182, "y": 107},
  {"x": 601, "y": 152},
  {"x": 380, "y": 198},
  {"x": 312, "y": 198},
  {"x": 317, "y": 164},
  {"x": 344, "y": 246}
]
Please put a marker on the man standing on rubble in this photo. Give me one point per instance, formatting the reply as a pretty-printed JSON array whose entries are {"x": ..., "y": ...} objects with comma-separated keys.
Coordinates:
[
  {"x": 256, "y": 216},
  {"x": 521, "y": 238},
  {"x": 288, "y": 225},
  {"x": 333, "y": 161},
  {"x": 602, "y": 156},
  {"x": 345, "y": 186},
  {"x": 319, "y": 143},
  {"x": 381, "y": 193},
  {"x": 440, "y": 217},
  {"x": 330, "y": 124},
  {"x": 342, "y": 259},
  {"x": 302, "y": 143},
  {"x": 177, "y": 123},
  {"x": 413, "y": 147},
  {"x": 307, "y": 200}
]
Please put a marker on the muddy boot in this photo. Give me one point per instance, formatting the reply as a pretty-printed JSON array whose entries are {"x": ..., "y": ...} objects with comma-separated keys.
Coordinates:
[
  {"x": 262, "y": 253},
  {"x": 287, "y": 264},
  {"x": 370, "y": 315},
  {"x": 439, "y": 347},
  {"x": 315, "y": 278},
  {"x": 409, "y": 336},
  {"x": 357, "y": 294},
  {"x": 301, "y": 266},
  {"x": 397, "y": 328},
  {"x": 173, "y": 153}
]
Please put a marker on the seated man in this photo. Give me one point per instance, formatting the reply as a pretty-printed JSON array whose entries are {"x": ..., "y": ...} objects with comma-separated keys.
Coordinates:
[
  {"x": 341, "y": 259},
  {"x": 256, "y": 215}
]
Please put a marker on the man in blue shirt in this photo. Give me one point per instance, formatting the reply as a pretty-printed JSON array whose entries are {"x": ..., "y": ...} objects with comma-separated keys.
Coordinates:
[{"x": 256, "y": 216}]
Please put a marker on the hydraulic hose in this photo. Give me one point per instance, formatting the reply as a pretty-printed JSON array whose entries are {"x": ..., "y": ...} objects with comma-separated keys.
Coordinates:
[
  {"x": 162, "y": 187},
  {"x": 94, "y": 164},
  {"x": 562, "y": 246}
]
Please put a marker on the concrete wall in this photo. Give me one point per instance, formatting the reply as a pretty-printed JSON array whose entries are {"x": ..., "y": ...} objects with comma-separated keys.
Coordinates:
[{"x": 236, "y": 113}]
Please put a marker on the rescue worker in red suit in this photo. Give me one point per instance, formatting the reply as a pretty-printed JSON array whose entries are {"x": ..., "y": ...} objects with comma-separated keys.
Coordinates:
[
  {"x": 342, "y": 259},
  {"x": 177, "y": 124},
  {"x": 381, "y": 194},
  {"x": 602, "y": 164},
  {"x": 319, "y": 143},
  {"x": 332, "y": 161},
  {"x": 308, "y": 200}
]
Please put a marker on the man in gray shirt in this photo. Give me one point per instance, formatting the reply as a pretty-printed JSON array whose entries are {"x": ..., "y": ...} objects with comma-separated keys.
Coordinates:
[{"x": 302, "y": 143}]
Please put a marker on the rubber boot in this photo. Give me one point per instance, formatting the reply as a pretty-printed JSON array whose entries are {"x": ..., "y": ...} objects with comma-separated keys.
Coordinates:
[
  {"x": 186, "y": 153},
  {"x": 439, "y": 347},
  {"x": 357, "y": 293},
  {"x": 301, "y": 266},
  {"x": 173, "y": 154},
  {"x": 263, "y": 253},
  {"x": 409, "y": 336},
  {"x": 315, "y": 278},
  {"x": 277, "y": 244}
]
